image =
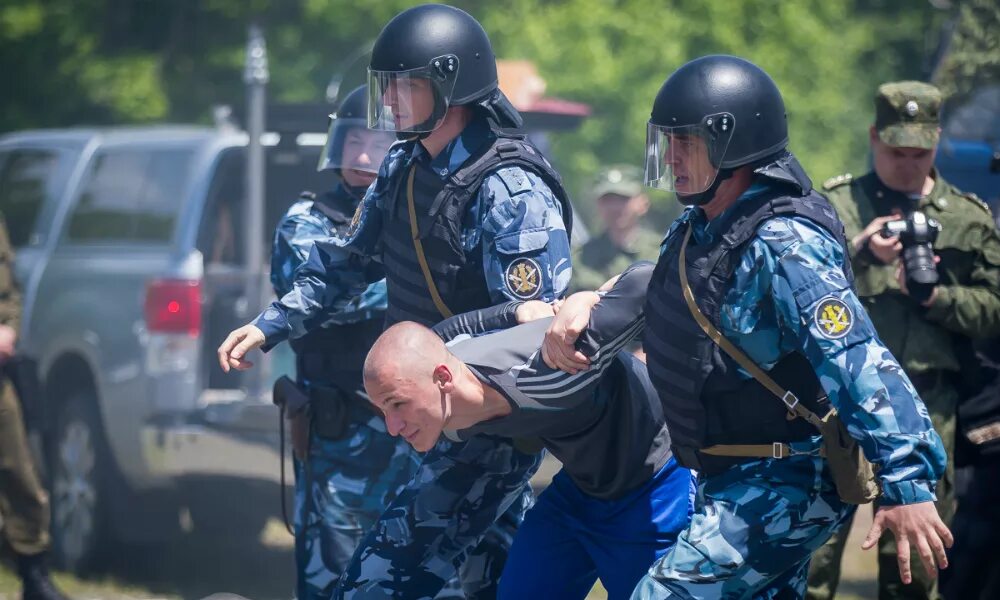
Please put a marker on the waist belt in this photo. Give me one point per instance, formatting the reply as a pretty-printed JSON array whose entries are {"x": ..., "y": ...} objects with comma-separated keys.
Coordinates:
[
  {"x": 774, "y": 450},
  {"x": 332, "y": 411},
  {"x": 325, "y": 395}
]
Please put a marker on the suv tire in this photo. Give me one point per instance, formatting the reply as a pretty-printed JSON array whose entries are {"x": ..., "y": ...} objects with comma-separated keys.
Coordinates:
[{"x": 80, "y": 469}]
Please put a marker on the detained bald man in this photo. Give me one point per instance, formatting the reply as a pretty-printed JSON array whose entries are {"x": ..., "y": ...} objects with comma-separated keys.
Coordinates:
[{"x": 619, "y": 500}]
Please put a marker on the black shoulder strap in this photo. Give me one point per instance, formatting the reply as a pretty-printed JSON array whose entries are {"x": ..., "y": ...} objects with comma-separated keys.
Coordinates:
[
  {"x": 753, "y": 213},
  {"x": 395, "y": 185},
  {"x": 744, "y": 222},
  {"x": 507, "y": 150}
]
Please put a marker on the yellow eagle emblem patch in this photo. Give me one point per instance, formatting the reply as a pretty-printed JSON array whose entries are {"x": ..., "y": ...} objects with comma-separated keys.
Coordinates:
[
  {"x": 834, "y": 318},
  {"x": 523, "y": 278}
]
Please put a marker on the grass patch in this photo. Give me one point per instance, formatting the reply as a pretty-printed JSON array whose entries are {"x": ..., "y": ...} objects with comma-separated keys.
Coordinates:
[{"x": 106, "y": 588}]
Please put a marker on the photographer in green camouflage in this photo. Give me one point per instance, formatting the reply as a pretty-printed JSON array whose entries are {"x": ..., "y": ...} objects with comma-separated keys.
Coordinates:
[{"x": 929, "y": 328}]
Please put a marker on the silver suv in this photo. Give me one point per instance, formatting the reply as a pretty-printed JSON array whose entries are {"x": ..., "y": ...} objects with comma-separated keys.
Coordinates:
[{"x": 130, "y": 258}]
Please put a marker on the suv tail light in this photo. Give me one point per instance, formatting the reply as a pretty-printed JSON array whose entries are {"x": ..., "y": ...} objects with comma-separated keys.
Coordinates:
[{"x": 173, "y": 306}]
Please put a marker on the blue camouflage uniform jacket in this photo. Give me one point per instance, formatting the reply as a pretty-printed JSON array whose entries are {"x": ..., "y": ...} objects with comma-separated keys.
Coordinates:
[
  {"x": 789, "y": 267},
  {"x": 296, "y": 234},
  {"x": 512, "y": 204}
]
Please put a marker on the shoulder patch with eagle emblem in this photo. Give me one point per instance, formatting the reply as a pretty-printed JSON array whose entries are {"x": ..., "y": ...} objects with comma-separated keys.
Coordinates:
[
  {"x": 834, "y": 318},
  {"x": 523, "y": 278}
]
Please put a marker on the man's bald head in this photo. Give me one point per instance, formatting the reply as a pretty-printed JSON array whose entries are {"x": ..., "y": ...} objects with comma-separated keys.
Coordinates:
[
  {"x": 400, "y": 377},
  {"x": 404, "y": 350}
]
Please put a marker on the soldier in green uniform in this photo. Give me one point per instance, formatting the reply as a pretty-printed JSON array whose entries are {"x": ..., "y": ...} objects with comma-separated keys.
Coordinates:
[
  {"x": 931, "y": 338},
  {"x": 621, "y": 205},
  {"x": 24, "y": 505}
]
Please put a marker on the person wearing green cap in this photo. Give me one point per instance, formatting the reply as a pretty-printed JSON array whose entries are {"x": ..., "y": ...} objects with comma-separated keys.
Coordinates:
[
  {"x": 621, "y": 204},
  {"x": 931, "y": 333}
]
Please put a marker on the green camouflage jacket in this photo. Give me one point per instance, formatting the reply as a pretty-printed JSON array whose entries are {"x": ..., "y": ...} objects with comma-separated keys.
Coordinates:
[{"x": 967, "y": 305}]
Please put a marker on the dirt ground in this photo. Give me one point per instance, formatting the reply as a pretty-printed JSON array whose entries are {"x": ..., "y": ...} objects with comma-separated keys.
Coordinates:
[
  {"x": 192, "y": 570},
  {"x": 195, "y": 567}
]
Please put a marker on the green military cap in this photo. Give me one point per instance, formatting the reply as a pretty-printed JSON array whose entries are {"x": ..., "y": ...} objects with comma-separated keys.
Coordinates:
[
  {"x": 907, "y": 114},
  {"x": 624, "y": 180}
]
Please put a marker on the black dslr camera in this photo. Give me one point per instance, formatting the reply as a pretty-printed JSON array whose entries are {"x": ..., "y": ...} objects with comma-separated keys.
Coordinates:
[{"x": 917, "y": 232}]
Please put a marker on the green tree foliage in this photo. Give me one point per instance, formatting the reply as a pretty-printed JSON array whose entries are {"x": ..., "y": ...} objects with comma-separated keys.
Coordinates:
[
  {"x": 826, "y": 56},
  {"x": 121, "y": 61},
  {"x": 973, "y": 54},
  {"x": 58, "y": 70}
]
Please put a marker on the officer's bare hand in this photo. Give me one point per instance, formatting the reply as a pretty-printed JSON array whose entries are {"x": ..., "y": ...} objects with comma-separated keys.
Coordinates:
[
  {"x": 559, "y": 348},
  {"x": 533, "y": 310},
  {"x": 237, "y": 344},
  {"x": 885, "y": 249},
  {"x": 913, "y": 525},
  {"x": 8, "y": 340}
]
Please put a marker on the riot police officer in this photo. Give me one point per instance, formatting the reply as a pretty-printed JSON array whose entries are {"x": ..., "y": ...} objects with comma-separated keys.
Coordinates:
[
  {"x": 753, "y": 334},
  {"x": 349, "y": 467},
  {"x": 463, "y": 215}
]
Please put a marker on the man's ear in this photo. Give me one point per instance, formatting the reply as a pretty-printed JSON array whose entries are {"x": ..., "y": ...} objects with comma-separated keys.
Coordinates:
[
  {"x": 444, "y": 378},
  {"x": 873, "y": 134},
  {"x": 641, "y": 204}
]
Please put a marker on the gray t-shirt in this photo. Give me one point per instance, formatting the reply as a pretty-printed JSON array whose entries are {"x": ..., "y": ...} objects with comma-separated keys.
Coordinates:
[{"x": 605, "y": 424}]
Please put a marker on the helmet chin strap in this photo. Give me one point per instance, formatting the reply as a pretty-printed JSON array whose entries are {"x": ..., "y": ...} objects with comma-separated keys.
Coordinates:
[
  {"x": 409, "y": 136},
  {"x": 430, "y": 123},
  {"x": 702, "y": 198}
]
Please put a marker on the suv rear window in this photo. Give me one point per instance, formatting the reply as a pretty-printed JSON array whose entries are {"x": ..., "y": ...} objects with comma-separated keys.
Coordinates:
[
  {"x": 290, "y": 170},
  {"x": 26, "y": 180},
  {"x": 131, "y": 195}
]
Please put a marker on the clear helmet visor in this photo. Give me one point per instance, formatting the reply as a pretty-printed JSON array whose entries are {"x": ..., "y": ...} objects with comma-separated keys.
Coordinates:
[
  {"x": 351, "y": 146},
  {"x": 413, "y": 101},
  {"x": 686, "y": 159}
]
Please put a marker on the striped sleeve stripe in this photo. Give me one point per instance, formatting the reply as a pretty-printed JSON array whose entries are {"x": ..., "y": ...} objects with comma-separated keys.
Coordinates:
[
  {"x": 573, "y": 382},
  {"x": 570, "y": 383},
  {"x": 617, "y": 342}
]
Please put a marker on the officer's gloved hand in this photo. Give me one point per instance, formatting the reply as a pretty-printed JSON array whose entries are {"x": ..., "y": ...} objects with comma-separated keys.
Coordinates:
[{"x": 237, "y": 344}]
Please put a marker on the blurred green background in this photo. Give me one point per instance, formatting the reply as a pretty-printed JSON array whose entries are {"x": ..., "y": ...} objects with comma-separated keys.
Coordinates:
[{"x": 72, "y": 62}]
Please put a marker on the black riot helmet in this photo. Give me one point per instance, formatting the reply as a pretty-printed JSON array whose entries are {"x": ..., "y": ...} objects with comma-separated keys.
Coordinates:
[
  {"x": 426, "y": 59},
  {"x": 349, "y": 142},
  {"x": 711, "y": 116}
]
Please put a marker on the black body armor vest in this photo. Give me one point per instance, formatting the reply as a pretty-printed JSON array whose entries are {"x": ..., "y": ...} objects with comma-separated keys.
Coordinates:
[
  {"x": 705, "y": 400},
  {"x": 335, "y": 355},
  {"x": 440, "y": 206}
]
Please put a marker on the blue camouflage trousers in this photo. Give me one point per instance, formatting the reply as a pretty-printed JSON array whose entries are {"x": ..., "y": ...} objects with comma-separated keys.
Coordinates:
[
  {"x": 339, "y": 494},
  {"x": 754, "y": 528},
  {"x": 462, "y": 507}
]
